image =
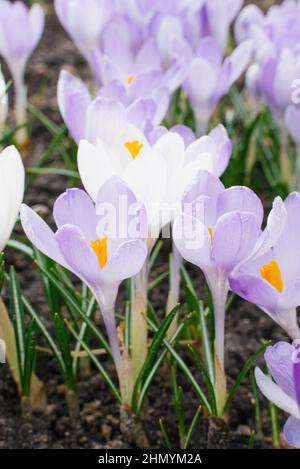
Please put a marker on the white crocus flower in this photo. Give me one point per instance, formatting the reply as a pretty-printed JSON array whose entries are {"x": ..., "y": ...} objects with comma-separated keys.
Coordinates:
[{"x": 12, "y": 178}]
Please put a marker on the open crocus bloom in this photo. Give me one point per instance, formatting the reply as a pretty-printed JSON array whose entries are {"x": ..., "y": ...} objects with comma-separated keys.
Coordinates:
[
  {"x": 84, "y": 21},
  {"x": 12, "y": 177},
  {"x": 283, "y": 362},
  {"x": 101, "y": 254},
  {"x": 271, "y": 281},
  {"x": 88, "y": 118},
  {"x": 218, "y": 231},
  {"x": 159, "y": 173},
  {"x": 209, "y": 78}
]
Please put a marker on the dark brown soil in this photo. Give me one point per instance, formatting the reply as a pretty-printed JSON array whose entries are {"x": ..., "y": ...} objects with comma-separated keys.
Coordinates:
[{"x": 98, "y": 423}]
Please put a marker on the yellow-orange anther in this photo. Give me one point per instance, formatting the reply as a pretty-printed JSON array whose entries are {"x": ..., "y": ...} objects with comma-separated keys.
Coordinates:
[
  {"x": 272, "y": 274},
  {"x": 134, "y": 148},
  {"x": 99, "y": 246},
  {"x": 210, "y": 230},
  {"x": 130, "y": 79}
]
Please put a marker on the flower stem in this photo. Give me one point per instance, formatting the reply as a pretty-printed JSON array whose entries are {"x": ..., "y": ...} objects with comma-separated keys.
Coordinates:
[
  {"x": 21, "y": 111},
  {"x": 139, "y": 329},
  {"x": 173, "y": 297},
  {"x": 219, "y": 290}
]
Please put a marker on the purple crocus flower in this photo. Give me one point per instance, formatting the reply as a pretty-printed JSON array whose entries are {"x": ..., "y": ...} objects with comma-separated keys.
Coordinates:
[
  {"x": 278, "y": 27},
  {"x": 271, "y": 280},
  {"x": 84, "y": 21},
  {"x": 218, "y": 231},
  {"x": 101, "y": 253},
  {"x": 216, "y": 18},
  {"x": 283, "y": 362},
  {"x": 134, "y": 64},
  {"x": 21, "y": 29},
  {"x": 209, "y": 78},
  {"x": 104, "y": 116}
]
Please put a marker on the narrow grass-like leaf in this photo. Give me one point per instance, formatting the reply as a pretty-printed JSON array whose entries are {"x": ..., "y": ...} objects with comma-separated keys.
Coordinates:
[
  {"x": 192, "y": 428},
  {"x": 165, "y": 434},
  {"x": 56, "y": 352},
  {"x": 245, "y": 370},
  {"x": 17, "y": 312},
  {"x": 70, "y": 301},
  {"x": 152, "y": 354},
  {"x": 63, "y": 341},
  {"x": 207, "y": 345},
  {"x": 97, "y": 364},
  {"x": 154, "y": 370},
  {"x": 178, "y": 400},
  {"x": 30, "y": 357},
  {"x": 155, "y": 252},
  {"x": 186, "y": 371},
  {"x": 204, "y": 373},
  {"x": 83, "y": 333}
]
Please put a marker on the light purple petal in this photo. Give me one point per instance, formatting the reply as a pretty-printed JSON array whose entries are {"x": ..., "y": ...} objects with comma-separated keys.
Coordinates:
[
  {"x": 39, "y": 233},
  {"x": 185, "y": 132},
  {"x": 239, "y": 60},
  {"x": 141, "y": 111},
  {"x": 73, "y": 101},
  {"x": 78, "y": 254},
  {"x": 75, "y": 207},
  {"x": 126, "y": 262},
  {"x": 116, "y": 91},
  {"x": 275, "y": 394},
  {"x": 240, "y": 199},
  {"x": 192, "y": 239},
  {"x": 255, "y": 290},
  {"x": 234, "y": 238},
  {"x": 105, "y": 117},
  {"x": 291, "y": 432},
  {"x": 130, "y": 216},
  {"x": 292, "y": 122},
  {"x": 210, "y": 50},
  {"x": 279, "y": 361}
]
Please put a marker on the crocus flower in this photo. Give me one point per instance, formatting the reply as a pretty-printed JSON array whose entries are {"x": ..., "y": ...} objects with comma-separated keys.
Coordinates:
[
  {"x": 84, "y": 21},
  {"x": 271, "y": 281},
  {"x": 20, "y": 31},
  {"x": 12, "y": 177},
  {"x": 283, "y": 362},
  {"x": 134, "y": 64},
  {"x": 218, "y": 231},
  {"x": 101, "y": 253},
  {"x": 278, "y": 27},
  {"x": 209, "y": 79},
  {"x": 88, "y": 118},
  {"x": 3, "y": 101},
  {"x": 158, "y": 174},
  {"x": 216, "y": 18}
]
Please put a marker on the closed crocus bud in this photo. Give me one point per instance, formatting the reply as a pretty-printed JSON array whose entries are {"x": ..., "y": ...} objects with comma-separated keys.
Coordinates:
[
  {"x": 249, "y": 16},
  {"x": 20, "y": 31},
  {"x": 84, "y": 21},
  {"x": 12, "y": 177},
  {"x": 3, "y": 101},
  {"x": 209, "y": 78}
]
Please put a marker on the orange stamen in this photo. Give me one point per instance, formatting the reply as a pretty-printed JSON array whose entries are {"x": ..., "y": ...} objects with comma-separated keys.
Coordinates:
[
  {"x": 272, "y": 274},
  {"x": 99, "y": 247}
]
